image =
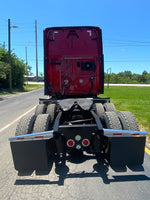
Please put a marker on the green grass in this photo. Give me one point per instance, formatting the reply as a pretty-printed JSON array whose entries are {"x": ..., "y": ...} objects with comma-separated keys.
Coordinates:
[
  {"x": 133, "y": 99},
  {"x": 26, "y": 88},
  {"x": 31, "y": 87}
]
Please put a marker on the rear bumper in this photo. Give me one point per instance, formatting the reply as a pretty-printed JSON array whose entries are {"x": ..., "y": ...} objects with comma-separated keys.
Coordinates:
[
  {"x": 49, "y": 134},
  {"x": 34, "y": 151}
]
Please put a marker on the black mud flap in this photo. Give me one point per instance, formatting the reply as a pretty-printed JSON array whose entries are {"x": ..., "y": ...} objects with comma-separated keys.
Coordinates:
[
  {"x": 126, "y": 151},
  {"x": 31, "y": 155}
]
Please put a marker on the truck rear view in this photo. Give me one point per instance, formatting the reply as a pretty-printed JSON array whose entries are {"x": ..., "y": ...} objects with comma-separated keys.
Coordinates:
[
  {"x": 73, "y": 61},
  {"x": 74, "y": 118}
]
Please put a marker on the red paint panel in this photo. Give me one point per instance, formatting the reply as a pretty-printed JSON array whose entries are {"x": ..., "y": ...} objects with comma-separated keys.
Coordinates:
[{"x": 73, "y": 60}]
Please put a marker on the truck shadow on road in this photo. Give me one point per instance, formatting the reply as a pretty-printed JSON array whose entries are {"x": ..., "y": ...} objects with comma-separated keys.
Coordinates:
[{"x": 100, "y": 170}]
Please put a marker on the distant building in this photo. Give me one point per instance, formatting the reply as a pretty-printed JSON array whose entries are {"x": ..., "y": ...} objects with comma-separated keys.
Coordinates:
[{"x": 30, "y": 78}]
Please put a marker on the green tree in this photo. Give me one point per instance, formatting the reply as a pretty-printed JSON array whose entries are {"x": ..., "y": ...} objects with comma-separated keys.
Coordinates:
[
  {"x": 144, "y": 76},
  {"x": 4, "y": 74},
  {"x": 18, "y": 70},
  {"x": 4, "y": 69}
]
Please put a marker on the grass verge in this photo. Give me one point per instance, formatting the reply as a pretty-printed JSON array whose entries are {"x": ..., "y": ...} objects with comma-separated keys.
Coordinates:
[
  {"x": 31, "y": 87},
  {"x": 27, "y": 88},
  {"x": 133, "y": 99}
]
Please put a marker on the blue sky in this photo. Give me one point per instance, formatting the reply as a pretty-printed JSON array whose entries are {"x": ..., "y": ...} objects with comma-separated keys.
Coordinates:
[{"x": 125, "y": 26}]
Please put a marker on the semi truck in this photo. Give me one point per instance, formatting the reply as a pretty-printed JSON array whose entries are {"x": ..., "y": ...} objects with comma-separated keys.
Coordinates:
[{"x": 74, "y": 118}]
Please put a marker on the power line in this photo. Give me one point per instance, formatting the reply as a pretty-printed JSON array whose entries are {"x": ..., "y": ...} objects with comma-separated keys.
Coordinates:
[
  {"x": 131, "y": 41},
  {"x": 127, "y": 61},
  {"x": 127, "y": 45},
  {"x": 22, "y": 45},
  {"x": 35, "y": 59}
]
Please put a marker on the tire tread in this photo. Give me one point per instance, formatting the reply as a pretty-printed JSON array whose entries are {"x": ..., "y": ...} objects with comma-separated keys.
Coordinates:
[
  {"x": 109, "y": 107},
  {"x": 25, "y": 125},
  {"x": 128, "y": 121},
  {"x": 42, "y": 123},
  {"x": 111, "y": 120},
  {"x": 99, "y": 109}
]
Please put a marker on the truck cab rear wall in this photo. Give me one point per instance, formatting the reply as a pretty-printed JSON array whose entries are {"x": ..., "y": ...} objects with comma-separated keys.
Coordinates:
[{"x": 73, "y": 61}]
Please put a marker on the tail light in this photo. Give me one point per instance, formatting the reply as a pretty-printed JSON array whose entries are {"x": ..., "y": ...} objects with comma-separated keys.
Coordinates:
[
  {"x": 70, "y": 143},
  {"x": 85, "y": 142}
]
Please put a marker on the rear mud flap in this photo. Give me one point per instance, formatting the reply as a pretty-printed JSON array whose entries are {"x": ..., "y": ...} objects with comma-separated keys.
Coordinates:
[
  {"x": 31, "y": 155},
  {"x": 126, "y": 151}
]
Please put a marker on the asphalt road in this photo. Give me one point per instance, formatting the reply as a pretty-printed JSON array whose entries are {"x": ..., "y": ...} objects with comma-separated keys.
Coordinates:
[{"x": 85, "y": 178}]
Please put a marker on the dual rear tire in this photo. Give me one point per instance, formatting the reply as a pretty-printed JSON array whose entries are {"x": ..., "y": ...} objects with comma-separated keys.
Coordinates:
[
  {"x": 128, "y": 121},
  {"x": 39, "y": 122},
  {"x": 43, "y": 109},
  {"x": 33, "y": 124},
  {"x": 123, "y": 120},
  {"x": 102, "y": 108}
]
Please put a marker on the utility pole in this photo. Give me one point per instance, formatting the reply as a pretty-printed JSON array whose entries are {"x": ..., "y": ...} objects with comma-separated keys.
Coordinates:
[
  {"x": 9, "y": 53},
  {"x": 36, "y": 50},
  {"x": 108, "y": 76},
  {"x": 26, "y": 63}
]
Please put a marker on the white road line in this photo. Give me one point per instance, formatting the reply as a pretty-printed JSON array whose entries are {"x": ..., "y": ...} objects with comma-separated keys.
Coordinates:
[
  {"x": 132, "y": 85},
  {"x": 7, "y": 126}
]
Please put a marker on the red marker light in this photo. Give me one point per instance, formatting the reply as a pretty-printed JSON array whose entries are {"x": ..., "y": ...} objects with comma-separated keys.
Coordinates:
[
  {"x": 40, "y": 136},
  {"x": 85, "y": 142},
  {"x": 117, "y": 133},
  {"x": 70, "y": 143},
  {"x": 21, "y": 138},
  {"x": 135, "y": 134}
]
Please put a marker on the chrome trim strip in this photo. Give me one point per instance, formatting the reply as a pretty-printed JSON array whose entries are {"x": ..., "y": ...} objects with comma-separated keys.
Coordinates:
[{"x": 30, "y": 137}]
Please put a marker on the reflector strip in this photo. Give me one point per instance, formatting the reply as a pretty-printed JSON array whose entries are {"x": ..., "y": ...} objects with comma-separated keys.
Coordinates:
[
  {"x": 31, "y": 137},
  {"x": 123, "y": 133},
  {"x": 21, "y": 138},
  {"x": 39, "y": 136},
  {"x": 135, "y": 134}
]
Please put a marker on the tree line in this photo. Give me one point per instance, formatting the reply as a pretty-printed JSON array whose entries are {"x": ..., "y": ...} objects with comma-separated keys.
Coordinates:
[
  {"x": 128, "y": 77},
  {"x": 18, "y": 68}
]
